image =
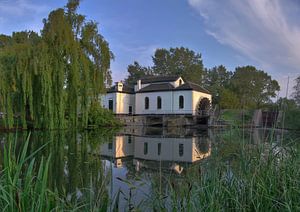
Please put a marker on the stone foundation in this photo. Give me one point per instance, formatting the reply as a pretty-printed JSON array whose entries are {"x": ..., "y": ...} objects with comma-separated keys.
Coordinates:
[{"x": 159, "y": 120}]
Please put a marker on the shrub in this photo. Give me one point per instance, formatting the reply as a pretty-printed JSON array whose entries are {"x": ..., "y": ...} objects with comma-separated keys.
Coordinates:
[{"x": 101, "y": 117}]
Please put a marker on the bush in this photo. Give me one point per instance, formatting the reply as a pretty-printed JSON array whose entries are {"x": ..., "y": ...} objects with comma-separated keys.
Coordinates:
[
  {"x": 101, "y": 117},
  {"x": 292, "y": 119}
]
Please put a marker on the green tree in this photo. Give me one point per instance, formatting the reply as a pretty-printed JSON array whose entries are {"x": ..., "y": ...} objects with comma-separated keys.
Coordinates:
[
  {"x": 135, "y": 72},
  {"x": 286, "y": 104},
  {"x": 253, "y": 87},
  {"x": 229, "y": 99},
  {"x": 216, "y": 80},
  {"x": 296, "y": 93},
  {"x": 49, "y": 79},
  {"x": 178, "y": 61}
]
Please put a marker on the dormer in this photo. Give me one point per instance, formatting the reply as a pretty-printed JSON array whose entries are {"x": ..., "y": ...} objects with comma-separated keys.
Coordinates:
[{"x": 178, "y": 82}]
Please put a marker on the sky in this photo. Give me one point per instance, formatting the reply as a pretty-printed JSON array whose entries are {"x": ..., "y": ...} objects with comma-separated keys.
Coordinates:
[{"x": 263, "y": 33}]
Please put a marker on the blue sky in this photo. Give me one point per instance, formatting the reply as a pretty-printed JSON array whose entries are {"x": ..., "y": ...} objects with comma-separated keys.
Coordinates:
[{"x": 264, "y": 33}]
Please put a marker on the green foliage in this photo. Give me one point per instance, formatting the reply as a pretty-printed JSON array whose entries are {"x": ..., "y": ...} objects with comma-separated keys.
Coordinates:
[
  {"x": 32, "y": 179},
  {"x": 136, "y": 72},
  {"x": 48, "y": 79},
  {"x": 20, "y": 188},
  {"x": 179, "y": 62},
  {"x": 253, "y": 87},
  {"x": 217, "y": 80},
  {"x": 170, "y": 62},
  {"x": 296, "y": 93},
  {"x": 229, "y": 100},
  {"x": 292, "y": 119},
  {"x": 237, "y": 117},
  {"x": 101, "y": 117}
]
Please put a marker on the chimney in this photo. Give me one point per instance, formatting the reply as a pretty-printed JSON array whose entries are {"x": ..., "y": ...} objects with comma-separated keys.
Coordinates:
[
  {"x": 119, "y": 86},
  {"x": 139, "y": 84}
]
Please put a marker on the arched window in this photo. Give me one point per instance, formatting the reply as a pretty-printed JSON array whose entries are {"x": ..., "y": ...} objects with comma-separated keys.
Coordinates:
[
  {"x": 181, "y": 102},
  {"x": 158, "y": 102},
  {"x": 180, "y": 82},
  {"x": 147, "y": 103}
]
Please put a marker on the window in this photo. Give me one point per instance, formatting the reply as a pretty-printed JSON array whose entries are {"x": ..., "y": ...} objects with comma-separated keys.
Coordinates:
[
  {"x": 158, "y": 148},
  {"x": 180, "y": 150},
  {"x": 110, "y": 104},
  {"x": 145, "y": 148},
  {"x": 110, "y": 145},
  {"x": 180, "y": 82},
  {"x": 181, "y": 102},
  {"x": 158, "y": 102},
  {"x": 130, "y": 110},
  {"x": 147, "y": 103},
  {"x": 129, "y": 139}
]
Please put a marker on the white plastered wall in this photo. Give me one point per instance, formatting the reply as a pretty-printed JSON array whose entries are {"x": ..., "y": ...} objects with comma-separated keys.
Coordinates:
[
  {"x": 197, "y": 96},
  {"x": 170, "y": 102},
  {"x": 121, "y": 102}
]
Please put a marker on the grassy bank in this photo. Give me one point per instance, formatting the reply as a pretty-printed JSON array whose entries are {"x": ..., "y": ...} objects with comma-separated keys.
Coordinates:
[{"x": 237, "y": 117}]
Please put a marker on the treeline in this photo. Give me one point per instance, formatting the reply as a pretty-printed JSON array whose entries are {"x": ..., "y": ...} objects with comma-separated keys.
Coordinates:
[
  {"x": 47, "y": 79},
  {"x": 246, "y": 87}
]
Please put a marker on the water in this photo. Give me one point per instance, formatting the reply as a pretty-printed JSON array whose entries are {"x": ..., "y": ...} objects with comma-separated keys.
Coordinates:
[{"x": 131, "y": 166}]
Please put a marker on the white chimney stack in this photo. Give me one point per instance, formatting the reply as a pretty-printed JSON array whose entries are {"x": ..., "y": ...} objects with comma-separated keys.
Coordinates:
[
  {"x": 119, "y": 86},
  {"x": 139, "y": 84}
]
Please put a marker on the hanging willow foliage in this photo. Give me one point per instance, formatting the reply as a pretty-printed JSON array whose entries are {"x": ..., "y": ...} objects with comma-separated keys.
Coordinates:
[{"x": 50, "y": 80}]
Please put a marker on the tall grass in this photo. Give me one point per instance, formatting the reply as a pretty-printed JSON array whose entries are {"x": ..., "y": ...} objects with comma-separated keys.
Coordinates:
[
  {"x": 239, "y": 176},
  {"x": 23, "y": 183},
  {"x": 26, "y": 184}
]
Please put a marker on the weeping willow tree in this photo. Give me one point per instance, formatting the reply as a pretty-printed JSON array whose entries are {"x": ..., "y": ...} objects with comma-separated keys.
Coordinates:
[{"x": 51, "y": 80}]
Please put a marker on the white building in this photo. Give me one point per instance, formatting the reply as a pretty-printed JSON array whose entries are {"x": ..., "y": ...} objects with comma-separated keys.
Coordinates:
[{"x": 157, "y": 95}]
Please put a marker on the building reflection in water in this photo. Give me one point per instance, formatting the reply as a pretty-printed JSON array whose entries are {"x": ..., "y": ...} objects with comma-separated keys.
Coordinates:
[{"x": 169, "y": 152}]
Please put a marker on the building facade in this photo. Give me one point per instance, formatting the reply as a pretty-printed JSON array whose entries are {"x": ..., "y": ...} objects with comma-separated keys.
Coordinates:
[{"x": 157, "y": 95}]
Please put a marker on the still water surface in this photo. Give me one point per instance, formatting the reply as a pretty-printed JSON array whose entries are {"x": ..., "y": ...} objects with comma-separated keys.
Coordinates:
[{"x": 132, "y": 165}]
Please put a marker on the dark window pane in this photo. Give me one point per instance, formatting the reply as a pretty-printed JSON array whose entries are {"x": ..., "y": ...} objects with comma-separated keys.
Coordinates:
[
  {"x": 180, "y": 149},
  {"x": 158, "y": 148},
  {"x": 158, "y": 102},
  {"x": 181, "y": 102},
  {"x": 145, "y": 148},
  {"x": 146, "y": 103},
  {"x": 110, "y": 104}
]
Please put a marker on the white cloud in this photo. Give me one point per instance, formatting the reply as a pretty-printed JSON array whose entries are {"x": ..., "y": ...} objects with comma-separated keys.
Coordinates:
[
  {"x": 266, "y": 31},
  {"x": 21, "y": 13},
  {"x": 20, "y": 8}
]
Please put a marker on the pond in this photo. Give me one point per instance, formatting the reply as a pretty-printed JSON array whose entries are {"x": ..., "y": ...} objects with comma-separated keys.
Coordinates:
[{"x": 133, "y": 167}]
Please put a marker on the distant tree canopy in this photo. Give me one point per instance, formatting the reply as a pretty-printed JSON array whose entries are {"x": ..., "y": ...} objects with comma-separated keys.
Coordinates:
[
  {"x": 296, "y": 93},
  {"x": 178, "y": 61},
  {"x": 135, "y": 72},
  {"x": 169, "y": 62},
  {"x": 50, "y": 78},
  {"x": 253, "y": 87},
  {"x": 216, "y": 80}
]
